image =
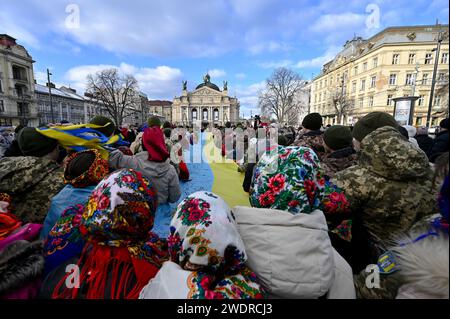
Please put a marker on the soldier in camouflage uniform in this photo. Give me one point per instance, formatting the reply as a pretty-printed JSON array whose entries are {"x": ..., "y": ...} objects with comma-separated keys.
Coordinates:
[
  {"x": 311, "y": 136},
  {"x": 390, "y": 187},
  {"x": 32, "y": 180},
  {"x": 339, "y": 150}
]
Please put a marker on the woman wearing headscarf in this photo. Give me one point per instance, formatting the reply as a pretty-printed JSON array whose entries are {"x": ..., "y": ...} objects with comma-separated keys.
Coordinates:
[
  {"x": 286, "y": 232},
  {"x": 121, "y": 253},
  {"x": 208, "y": 258},
  {"x": 154, "y": 163},
  {"x": 82, "y": 172}
]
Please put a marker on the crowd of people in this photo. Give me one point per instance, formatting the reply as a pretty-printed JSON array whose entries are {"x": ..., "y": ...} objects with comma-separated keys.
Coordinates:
[{"x": 324, "y": 204}]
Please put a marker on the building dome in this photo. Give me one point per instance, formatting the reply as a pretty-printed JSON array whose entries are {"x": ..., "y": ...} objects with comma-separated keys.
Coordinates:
[{"x": 207, "y": 82}]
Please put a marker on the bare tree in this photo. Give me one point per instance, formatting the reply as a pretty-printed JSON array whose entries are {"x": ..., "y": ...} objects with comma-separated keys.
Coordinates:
[
  {"x": 114, "y": 92},
  {"x": 341, "y": 102},
  {"x": 279, "y": 97}
]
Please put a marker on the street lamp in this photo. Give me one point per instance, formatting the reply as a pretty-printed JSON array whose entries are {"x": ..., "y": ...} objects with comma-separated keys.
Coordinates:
[
  {"x": 50, "y": 94},
  {"x": 433, "y": 82}
]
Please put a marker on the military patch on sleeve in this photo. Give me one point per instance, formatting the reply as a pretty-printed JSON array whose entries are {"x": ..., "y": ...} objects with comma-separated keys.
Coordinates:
[{"x": 387, "y": 263}]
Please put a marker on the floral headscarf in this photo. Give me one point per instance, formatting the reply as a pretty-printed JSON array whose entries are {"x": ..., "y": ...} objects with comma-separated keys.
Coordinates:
[
  {"x": 64, "y": 239},
  {"x": 116, "y": 224},
  {"x": 8, "y": 221},
  {"x": 96, "y": 172},
  {"x": 204, "y": 237},
  {"x": 292, "y": 180}
]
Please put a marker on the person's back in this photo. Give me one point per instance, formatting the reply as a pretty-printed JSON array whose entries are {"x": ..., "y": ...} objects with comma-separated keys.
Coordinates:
[
  {"x": 339, "y": 150},
  {"x": 32, "y": 180},
  {"x": 154, "y": 163},
  {"x": 311, "y": 135},
  {"x": 391, "y": 186},
  {"x": 424, "y": 141},
  {"x": 441, "y": 141}
]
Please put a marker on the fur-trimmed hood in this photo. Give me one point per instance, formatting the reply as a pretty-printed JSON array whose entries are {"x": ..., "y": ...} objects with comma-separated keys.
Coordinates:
[
  {"x": 424, "y": 266},
  {"x": 20, "y": 263}
]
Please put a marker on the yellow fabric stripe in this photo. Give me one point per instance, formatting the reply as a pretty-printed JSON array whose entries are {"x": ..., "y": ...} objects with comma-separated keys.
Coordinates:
[{"x": 227, "y": 180}]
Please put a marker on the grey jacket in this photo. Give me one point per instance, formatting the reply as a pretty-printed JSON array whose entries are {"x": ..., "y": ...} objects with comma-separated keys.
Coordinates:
[{"x": 161, "y": 174}]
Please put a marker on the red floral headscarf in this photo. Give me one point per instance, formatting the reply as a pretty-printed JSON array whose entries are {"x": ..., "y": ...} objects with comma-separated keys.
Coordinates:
[{"x": 117, "y": 223}]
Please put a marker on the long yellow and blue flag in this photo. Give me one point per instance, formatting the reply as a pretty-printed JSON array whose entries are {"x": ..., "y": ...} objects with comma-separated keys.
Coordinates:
[{"x": 83, "y": 136}]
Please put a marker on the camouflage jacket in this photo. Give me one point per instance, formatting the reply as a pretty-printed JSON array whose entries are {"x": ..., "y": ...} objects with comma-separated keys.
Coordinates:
[
  {"x": 313, "y": 140},
  {"x": 338, "y": 161},
  {"x": 391, "y": 185},
  {"x": 32, "y": 182}
]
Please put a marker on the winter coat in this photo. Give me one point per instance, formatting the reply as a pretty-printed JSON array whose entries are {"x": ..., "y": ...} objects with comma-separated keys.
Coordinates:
[
  {"x": 338, "y": 161},
  {"x": 32, "y": 182},
  {"x": 292, "y": 254},
  {"x": 425, "y": 143},
  {"x": 440, "y": 145},
  {"x": 21, "y": 268},
  {"x": 391, "y": 185},
  {"x": 161, "y": 174},
  {"x": 68, "y": 196},
  {"x": 313, "y": 140}
]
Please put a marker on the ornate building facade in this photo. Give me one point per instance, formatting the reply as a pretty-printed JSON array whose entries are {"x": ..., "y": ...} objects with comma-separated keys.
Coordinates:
[
  {"x": 396, "y": 62},
  {"x": 206, "y": 103},
  {"x": 17, "y": 98}
]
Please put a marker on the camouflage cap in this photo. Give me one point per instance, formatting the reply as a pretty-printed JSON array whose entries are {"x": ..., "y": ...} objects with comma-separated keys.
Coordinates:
[{"x": 371, "y": 122}]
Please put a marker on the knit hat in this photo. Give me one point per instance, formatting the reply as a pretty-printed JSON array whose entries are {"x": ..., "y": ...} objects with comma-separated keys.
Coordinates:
[
  {"x": 154, "y": 121},
  {"x": 444, "y": 123},
  {"x": 371, "y": 122},
  {"x": 312, "y": 121},
  {"x": 167, "y": 132},
  {"x": 282, "y": 140},
  {"x": 33, "y": 143},
  {"x": 167, "y": 124},
  {"x": 338, "y": 137},
  {"x": 102, "y": 121}
]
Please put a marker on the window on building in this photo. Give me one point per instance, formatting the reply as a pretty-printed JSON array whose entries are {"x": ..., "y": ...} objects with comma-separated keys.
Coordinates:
[
  {"x": 373, "y": 81},
  {"x": 371, "y": 101},
  {"x": 205, "y": 114},
  {"x": 363, "y": 85},
  {"x": 428, "y": 58},
  {"x": 325, "y": 85},
  {"x": 320, "y": 84},
  {"x": 353, "y": 86},
  {"x": 410, "y": 79},
  {"x": 434, "y": 121},
  {"x": 444, "y": 57},
  {"x": 361, "y": 102},
  {"x": 420, "y": 100},
  {"x": 437, "y": 100},
  {"x": 355, "y": 70},
  {"x": 441, "y": 77},
  {"x": 375, "y": 62},
  {"x": 425, "y": 79},
  {"x": 364, "y": 66},
  {"x": 216, "y": 114},
  {"x": 390, "y": 100},
  {"x": 392, "y": 79},
  {"x": 315, "y": 98},
  {"x": 412, "y": 58},
  {"x": 395, "y": 58},
  {"x": 2, "y": 106},
  {"x": 1, "y": 87},
  {"x": 331, "y": 80},
  {"x": 194, "y": 114}
]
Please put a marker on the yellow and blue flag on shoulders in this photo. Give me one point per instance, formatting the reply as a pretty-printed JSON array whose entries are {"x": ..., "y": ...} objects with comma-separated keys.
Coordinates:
[{"x": 83, "y": 136}]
